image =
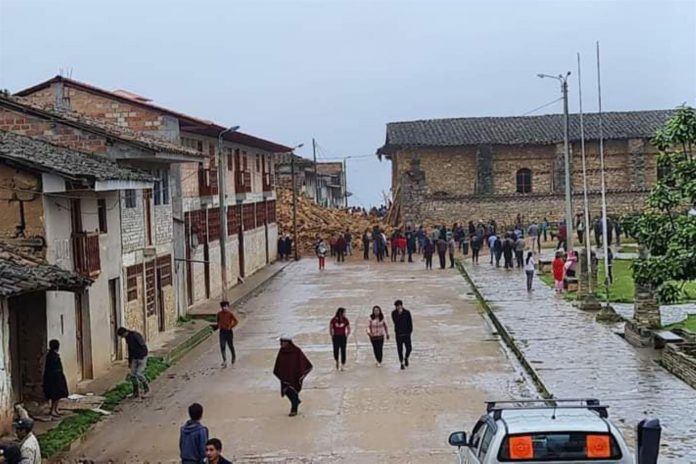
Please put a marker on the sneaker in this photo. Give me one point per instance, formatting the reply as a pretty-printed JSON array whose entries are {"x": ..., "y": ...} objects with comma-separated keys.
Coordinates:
[
  {"x": 292, "y": 413},
  {"x": 224, "y": 364}
]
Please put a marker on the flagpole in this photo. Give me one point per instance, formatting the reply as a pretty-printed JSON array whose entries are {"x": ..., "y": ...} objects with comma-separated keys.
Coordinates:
[
  {"x": 604, "y": 191},
  {"x": 584, "y": 185}
]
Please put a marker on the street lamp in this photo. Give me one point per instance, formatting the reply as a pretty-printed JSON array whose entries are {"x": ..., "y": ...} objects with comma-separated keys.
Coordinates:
[
  {"x": 294, "y": 197},
  {"x": 563, "y": 79},
  {"x": 345, "y": 179},
  {"x": 222, "y": 208}
]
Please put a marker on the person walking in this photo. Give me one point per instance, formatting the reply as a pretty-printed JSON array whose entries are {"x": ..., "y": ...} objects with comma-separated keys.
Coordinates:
[
  {"x": 213, "y": 452},
  {"x": 428, "y": 251},
  {"x": 420, "y": 239},
  {"x": 348, "y": 237},
  {"x": 598, "y": 232},
  {"x": 545, "y": 226},
  {"x": 281, "y": 248},
  {"x": 226, "y": 321},
  {"x": 193, "y": 437},
  {"x": 377, "y": 330},
  {"x": 403, "y": 328},
  {"x": 533, "y": 232},
  {"x": 410, "y": 244},
  {"x": 137, "y": 359},
  {"x": 529, "y": 267},
  {"x": 558, "y": 271},
  {"x": 340, "y": 248},
  {"x": 617, "y": 229},
  {"x": 519, "y": 251},
  {"x": 508, "y": 251},
  {"x": 476, "y": 243},
  {"x": 287, "y": 246},
  {"x": 401, "y": 245},
  {"x": 562, "y": 236},
  {"x": 441, "y": 252},
  {"x": 291, "y": 368},
  {"x": 451, "y": 248},
  {"x": 492, "y": 239},
  {"x": 610, "y": 261},
  {"x": 339, "y": 329},
  {"x": 55, "y": 387},
  {"x": 394, "y": 246},
  {"x": 321, "y": 253},
  {"x": 366, "y": 244},
  {"x": 498, "y": 250}
]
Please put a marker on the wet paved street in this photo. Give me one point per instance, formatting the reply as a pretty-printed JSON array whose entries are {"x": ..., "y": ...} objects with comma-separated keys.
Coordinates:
[
  {"x": 364, "y": 415},
  {"x": 578, "y": 357}
]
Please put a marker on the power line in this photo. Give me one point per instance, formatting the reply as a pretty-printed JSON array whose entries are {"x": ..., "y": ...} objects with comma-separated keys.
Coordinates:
[{"x": 542, "y": 106}]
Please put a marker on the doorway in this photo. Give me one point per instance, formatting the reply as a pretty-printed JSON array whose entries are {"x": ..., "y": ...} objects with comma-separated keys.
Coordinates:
[
  {"x": 115, "y": 317},
  {"x": 83, "y": 336},
  {"x": 27, "y": 314}
]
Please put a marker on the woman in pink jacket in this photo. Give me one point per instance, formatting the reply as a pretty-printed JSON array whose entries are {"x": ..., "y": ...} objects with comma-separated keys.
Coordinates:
[{"x": 377, "y": 330}]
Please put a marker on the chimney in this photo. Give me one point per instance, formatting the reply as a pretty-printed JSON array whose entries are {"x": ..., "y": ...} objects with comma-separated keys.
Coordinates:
[{"x": 62, "y": 95}]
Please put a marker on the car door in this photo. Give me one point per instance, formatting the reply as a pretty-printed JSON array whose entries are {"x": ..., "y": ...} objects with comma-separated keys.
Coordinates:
[{"x": 471, "y": 452}]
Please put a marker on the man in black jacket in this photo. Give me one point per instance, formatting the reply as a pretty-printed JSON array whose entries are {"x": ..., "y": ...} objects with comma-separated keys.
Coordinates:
[
  {"x": 137, "y": 359},
  {"x": 403, "y": 327}
]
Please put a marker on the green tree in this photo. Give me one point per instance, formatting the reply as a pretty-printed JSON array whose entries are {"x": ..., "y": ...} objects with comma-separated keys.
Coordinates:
[{"x": 667, "y": 228}]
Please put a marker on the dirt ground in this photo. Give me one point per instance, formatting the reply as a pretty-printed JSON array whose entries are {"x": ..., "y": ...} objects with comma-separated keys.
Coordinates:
[{"x": 363, "y": 415}]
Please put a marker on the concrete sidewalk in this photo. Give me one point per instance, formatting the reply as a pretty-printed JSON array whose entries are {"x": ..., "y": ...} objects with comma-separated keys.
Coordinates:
[
  {"x": 240, "y": 292},
  {"x": 574, "y": 356}
]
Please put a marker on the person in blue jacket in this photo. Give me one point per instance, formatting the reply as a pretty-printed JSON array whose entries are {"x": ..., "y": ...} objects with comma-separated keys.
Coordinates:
[{"x": 193, "y": 437}]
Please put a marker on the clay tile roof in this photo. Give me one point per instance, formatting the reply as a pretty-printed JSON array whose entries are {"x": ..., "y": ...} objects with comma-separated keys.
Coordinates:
[
  {"x": 22, "y": 273},
  {"x": 518, "y": 130},
  {"x": 65, "y": 162},
  {"x": 186, "y": 122},
  {"x": 93, "y": 124}
]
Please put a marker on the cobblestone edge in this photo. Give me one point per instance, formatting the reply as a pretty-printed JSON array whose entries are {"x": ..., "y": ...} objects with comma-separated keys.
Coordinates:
[{"x": 507, "y": 338}]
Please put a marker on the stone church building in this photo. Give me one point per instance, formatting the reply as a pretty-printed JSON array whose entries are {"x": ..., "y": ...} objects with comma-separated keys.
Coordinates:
[{"x": 462, "y": 169}]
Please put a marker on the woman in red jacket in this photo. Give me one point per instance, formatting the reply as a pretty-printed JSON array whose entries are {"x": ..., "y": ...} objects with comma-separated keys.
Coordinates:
[{"x": 558, "y": 271}]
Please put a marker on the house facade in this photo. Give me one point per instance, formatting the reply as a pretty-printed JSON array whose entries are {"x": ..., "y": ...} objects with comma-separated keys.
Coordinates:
[
  {"x": 61, "y": 206},
  {"x": 322, "y": 182},
  {"x": 454, "y": 170},
  {"x": 249, "y": 184}
]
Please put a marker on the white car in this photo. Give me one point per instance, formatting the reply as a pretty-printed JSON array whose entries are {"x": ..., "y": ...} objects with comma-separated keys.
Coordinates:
[{"x": 562, "y": 431}]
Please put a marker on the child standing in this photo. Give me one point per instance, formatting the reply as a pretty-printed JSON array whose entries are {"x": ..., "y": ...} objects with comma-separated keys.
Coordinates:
[{"x": 321, "y": 253}]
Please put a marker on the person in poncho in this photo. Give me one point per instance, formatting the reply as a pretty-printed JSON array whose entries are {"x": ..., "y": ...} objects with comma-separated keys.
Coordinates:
[{"x": 291, "y": 367}]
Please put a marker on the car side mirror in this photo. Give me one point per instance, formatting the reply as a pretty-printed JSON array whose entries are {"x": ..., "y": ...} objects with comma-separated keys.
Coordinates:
[{"x": 458, "y": 439}]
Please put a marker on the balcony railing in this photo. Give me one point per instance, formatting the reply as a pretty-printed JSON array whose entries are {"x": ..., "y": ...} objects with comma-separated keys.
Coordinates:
[
  {"x": 242, "y": 182},
  {"x": 86, "y": 253},
  {"x": 207, "y": 182}
]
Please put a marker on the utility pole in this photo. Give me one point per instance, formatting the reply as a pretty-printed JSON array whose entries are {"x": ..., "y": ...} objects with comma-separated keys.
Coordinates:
[
  {"x": 316, "y": 176},
  {"x": 294, "y": 200},
  {"x": 567, "y": 161},
  {"x": 222, "y": 199},
  {"x": 345, "y": 180}
]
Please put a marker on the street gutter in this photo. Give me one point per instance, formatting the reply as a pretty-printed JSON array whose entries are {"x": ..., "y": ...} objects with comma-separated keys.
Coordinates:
[{"x": 507, "y": 338}]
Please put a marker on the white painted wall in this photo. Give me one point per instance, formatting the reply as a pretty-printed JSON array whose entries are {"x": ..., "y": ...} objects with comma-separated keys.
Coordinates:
[
  {"x": 272, "y": 242},
  {"x": 254, "y": 250},
  {"x": 5, "y": 370}
]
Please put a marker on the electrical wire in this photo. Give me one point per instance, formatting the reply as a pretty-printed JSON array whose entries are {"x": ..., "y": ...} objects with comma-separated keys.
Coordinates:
[{"x": 542, "y": 106}]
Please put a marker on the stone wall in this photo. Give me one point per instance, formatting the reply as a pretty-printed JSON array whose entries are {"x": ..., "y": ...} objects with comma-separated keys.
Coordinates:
[
  {"x": 470, "y": 183},
  {"x": 132, "y": 223},
  {"x": 163, "y": 224},
  {"x": 10, "y": 180},
  {"x": 504, "y": 208},
  {"x": 680, "y": 360}
]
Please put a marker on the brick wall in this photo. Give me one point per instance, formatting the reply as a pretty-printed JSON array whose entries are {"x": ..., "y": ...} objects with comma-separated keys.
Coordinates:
[{"x": 20, "y": 123}]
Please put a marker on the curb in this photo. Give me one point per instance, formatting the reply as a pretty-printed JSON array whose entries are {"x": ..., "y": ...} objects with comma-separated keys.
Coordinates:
[{"x": 507, "y": 338}]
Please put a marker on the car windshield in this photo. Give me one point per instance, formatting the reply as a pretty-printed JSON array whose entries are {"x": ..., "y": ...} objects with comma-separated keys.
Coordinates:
[{"x": 559, "y": 446}]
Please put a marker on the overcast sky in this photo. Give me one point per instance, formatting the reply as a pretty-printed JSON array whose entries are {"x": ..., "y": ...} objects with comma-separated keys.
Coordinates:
[{"x": 338, "y": 71}]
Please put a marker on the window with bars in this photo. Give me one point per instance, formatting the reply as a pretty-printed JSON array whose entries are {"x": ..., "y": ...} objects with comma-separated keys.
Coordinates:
[
  {"x": 271, "y": 211},
  {"x": 248, "y": 216},
  {"x": 101, "y": 214},
  {"x": 150, "y": 293},
  {"x": 524, "y": 181},
  {"x": 133, "y": 273},
  {"x": 164, "y": 269},
  {"x": 161, "y": 187},
  {"x": 213, "y": 224},
  {"x": 232, "y": 219},
  {"x": 130, "y": 198}
]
